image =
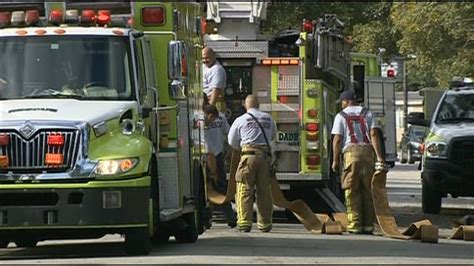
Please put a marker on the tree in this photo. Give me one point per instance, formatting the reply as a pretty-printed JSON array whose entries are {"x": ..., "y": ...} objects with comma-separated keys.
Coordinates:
[{"x": 440, "y": 35}]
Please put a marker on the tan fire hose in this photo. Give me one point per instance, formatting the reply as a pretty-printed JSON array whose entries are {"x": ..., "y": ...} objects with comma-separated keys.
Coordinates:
[{"x": 321, "y": 223}]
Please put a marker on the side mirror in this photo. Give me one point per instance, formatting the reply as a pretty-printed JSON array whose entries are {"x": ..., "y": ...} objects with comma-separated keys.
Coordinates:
[
  {"x": 418, "y": 118},
  {"x": 177, "y": 90},
  {"x": 177, "y": 70},
  {"x": 177, "y": 60}
]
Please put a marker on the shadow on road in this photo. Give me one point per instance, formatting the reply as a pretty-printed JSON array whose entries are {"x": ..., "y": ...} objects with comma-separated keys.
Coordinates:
[{"x": 252, "y": 245}]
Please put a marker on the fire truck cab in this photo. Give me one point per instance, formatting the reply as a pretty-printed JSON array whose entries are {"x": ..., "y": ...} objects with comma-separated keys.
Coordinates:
[{"x": 97, "y": 123}]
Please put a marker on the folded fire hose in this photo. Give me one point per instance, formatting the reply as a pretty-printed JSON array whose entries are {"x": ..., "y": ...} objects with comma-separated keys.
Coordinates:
[{"x": 322, "y": 223}]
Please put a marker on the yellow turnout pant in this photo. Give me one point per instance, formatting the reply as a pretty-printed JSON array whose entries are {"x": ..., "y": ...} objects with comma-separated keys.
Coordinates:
[
  {"x": 356, "y": 181},
  {"x": 254, "y": 171}
]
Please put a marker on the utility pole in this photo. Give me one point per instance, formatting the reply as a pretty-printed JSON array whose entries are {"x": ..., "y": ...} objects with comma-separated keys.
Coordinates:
[{"x": 405, "y": 96}]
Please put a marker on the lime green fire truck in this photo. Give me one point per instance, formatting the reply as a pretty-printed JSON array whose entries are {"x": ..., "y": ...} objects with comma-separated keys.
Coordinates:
[
  {"x": 297, "y": 76},
  {"x": 98, "y": 131}
]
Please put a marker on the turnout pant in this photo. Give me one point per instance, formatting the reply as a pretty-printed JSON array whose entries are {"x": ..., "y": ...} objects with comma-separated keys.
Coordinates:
[
  {"x": 254, "y": 171},
  {"x": 356, "y": 181}
]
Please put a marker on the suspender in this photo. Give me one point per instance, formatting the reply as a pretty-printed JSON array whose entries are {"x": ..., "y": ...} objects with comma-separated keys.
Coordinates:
[
  {"x": 350, "y": 119},
  {"x": 263, "y": 132}
]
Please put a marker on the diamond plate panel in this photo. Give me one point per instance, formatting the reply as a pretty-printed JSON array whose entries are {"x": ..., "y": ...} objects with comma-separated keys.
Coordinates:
[{"x": 168, "y": 180}]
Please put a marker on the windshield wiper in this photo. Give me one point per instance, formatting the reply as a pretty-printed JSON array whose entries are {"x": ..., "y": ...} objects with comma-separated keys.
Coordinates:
[{"x": 43, "y": 93}]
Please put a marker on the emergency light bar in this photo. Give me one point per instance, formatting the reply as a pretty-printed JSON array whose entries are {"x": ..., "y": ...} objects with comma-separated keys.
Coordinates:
[{"x": 280, "y": 61}]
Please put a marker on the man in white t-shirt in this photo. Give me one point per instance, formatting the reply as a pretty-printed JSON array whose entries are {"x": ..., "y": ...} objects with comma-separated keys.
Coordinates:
[
  {"x": 216, "y": 127},
  {"x": 214, "y": 77},
  {"x": 355, "y": 135}
]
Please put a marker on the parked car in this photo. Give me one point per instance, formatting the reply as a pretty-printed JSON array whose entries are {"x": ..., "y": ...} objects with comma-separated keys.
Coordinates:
[{"x": 410, "y": 144}]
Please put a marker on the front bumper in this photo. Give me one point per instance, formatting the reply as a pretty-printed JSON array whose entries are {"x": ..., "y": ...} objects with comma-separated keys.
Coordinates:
[
  {"x": 448, "y": 177},
  {"x": 96, "y": 204}
]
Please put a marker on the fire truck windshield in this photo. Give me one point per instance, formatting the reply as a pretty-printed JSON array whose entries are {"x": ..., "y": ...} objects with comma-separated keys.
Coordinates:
[{"x": 86, "y": 67}]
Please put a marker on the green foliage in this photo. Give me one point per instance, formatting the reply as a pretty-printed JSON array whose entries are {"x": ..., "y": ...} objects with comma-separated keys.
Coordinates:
[{"x": 439, "y": 34}]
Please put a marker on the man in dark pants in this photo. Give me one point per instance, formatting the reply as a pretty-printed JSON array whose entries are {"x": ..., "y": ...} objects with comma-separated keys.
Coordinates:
[{"x": 216, "y": 127}]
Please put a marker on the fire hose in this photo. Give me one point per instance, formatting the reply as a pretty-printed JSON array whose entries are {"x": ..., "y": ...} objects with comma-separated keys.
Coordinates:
[{"x": 322, "y": 223}]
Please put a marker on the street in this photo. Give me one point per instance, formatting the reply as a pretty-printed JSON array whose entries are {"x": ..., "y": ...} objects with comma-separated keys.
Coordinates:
[{"x": 287, "y": 243}]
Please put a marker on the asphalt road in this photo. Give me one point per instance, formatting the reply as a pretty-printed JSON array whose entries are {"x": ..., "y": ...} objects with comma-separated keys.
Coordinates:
[{"x": 287, "y": 243}]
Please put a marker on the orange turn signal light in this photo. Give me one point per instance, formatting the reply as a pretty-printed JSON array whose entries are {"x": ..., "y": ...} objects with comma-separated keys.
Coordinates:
[
  {"x": 4, "y": 162},
  {"x": 54, "y": 158}
]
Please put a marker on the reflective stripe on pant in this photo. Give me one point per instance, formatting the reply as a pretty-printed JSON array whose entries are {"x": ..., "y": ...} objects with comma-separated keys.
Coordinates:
[
  {"x": 254, "y": 170},
  {"x": 356, "y": 181}
]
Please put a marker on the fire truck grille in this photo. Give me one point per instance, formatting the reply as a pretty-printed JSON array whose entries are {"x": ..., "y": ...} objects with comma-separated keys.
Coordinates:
[
  {"x": 462, "y": 151},
  {"x": 30, "y": 155}
]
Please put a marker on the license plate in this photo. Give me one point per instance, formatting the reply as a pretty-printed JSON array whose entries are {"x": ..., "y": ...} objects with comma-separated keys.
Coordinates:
[{"x": 288, "y": 137}]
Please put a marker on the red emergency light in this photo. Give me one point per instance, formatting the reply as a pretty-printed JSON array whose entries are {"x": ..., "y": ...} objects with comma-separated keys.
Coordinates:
[
  {"x": 312, "y": 127},
  {"x": 32, "y": 17},
  {"x": 4, "y": 139},
  {"x": 4, "y": 19},
  {"x": 56, "y": 17},
  {"x": 391, "y": 73},
  {"x": 153, "y": 15},
  {"x": 103, "y": 17},
  {"x": 308, "y": 26},
  {"x": 313, "y": 160},
  {"x": 312, "y": 113},
  {"x": 56, "y": 140},
  {"x": 88, "y": 16}
]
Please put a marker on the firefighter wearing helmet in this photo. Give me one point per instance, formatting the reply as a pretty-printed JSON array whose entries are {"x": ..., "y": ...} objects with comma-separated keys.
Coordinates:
[{"x": 356, "y": 138}]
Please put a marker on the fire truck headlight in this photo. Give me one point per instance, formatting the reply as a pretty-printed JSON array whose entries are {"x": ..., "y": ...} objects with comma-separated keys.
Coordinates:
[
  {"x": 128, "y": 127},
  {"x": 114, "y": 167},
  {"x": 436, "y": 149}
]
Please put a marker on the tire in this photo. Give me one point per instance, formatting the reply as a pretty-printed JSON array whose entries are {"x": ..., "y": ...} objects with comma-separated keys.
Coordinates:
[
  {"x": 26, "y": 243},
  {"x": 137, "y": 241},
  {"x": 4, "y": 244},
  {"x": 190, "y": 233},
  {"x": 410, "y": 157},
  {"x": 403, "y": 159},
  {"x": 430, "y": 198}
]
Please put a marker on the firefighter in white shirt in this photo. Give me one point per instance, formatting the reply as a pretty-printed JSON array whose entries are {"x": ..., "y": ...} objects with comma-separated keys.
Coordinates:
[
  {"x": 355, "y": 135},
  {"x": 254, "y": 167}
]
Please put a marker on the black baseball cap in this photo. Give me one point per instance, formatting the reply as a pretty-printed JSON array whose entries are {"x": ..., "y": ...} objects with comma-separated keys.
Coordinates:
[{"x": 347, "y": 95}]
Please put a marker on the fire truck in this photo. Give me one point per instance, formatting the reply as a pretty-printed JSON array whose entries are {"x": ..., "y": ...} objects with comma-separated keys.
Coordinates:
[
  {"x": 297, "y": 76},
  {"x": 98, "y": 131}
]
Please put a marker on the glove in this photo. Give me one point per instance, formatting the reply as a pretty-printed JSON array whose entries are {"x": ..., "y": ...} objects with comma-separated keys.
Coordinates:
[{"x": 381, "y": 166}]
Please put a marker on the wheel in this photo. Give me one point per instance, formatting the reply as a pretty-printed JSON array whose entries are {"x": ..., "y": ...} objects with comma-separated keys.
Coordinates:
[
  {"x": 26, "y": 243},
  {"x": 4, "y": 244},
  {"x": 410, "y": 157},
  {"x": 403, "y": 159},
  {"x": 137, "y": 241},
  {"x": 190, "y": 233},
  {"x": 430, "y": 198}
]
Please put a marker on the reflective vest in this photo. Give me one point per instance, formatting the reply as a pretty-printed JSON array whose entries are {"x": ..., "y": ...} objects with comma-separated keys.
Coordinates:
[{"x": 350, "y": 119}]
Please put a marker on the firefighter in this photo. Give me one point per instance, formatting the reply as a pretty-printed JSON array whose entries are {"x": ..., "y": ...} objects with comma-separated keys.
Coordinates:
[
  {"x": 355, "y": 135},
  {"x": 254, "y": 168},
  {"x": 214, "y": 79},
  {"x": 216, "y": 127}
]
